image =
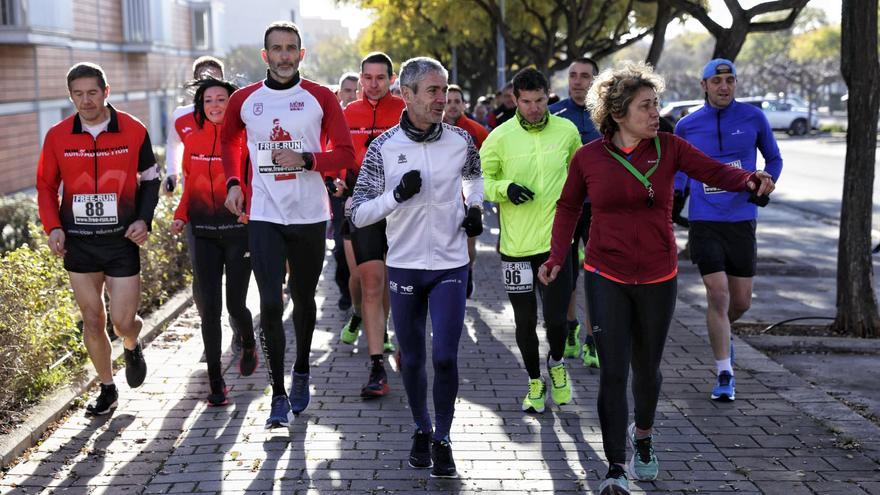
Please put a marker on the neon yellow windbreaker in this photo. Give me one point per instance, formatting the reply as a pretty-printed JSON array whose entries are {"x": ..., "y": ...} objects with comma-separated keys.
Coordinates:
[{"x": 534, "y": 159}]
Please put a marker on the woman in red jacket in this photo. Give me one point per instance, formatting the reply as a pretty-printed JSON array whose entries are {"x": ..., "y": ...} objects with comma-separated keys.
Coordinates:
[
  {"x": 631, "y": 259},
  {"x": 220, "y": 237}
]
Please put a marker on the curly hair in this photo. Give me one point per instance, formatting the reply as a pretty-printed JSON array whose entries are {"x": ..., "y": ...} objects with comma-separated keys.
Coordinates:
[
  {"x": 614, "y": 89},
  {"x": 201, "y": 86}
]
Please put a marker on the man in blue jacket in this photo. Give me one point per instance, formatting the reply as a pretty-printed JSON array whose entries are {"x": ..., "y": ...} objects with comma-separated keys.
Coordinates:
[
  {"x": 722, "y": 224},
  {"x": 574, "y": 108}
]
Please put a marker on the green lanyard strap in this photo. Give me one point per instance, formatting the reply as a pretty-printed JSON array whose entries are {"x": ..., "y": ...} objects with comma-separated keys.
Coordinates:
[{"x": 638, "y": 175}]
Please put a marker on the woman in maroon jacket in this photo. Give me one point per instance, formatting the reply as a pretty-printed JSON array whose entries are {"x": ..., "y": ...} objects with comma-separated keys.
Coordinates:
[
  {"x": 631, "y": 259},
  {"x": 220, "y": 237}
]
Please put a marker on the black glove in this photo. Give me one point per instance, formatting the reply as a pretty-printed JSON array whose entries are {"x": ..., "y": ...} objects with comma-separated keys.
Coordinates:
[
  {"x": 761, "y": 201},
  {"x": 330, "y": 184},
  {"x": 519, "y": 194},
  {"x": 410, "y": 185},
  {"x": 170, "y": 183},
  {"x": 473, "y": 222},
  {"x": 678, "y": 200}
]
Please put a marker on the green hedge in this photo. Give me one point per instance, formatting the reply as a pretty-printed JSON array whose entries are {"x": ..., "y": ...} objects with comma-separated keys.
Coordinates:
[
  {"x": 39, "y": 320},
  {"x": 17, "y": 213}
]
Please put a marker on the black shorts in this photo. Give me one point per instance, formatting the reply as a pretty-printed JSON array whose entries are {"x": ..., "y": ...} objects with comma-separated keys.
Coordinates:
[
  {"x": 729, "y": 247},
  {"x": 112, "y": 256},
  {"x": 369, "y": 243}
]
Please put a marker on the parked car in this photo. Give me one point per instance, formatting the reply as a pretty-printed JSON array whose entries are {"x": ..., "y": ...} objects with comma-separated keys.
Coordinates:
[
  {"x": 784, "y": 115},
  {"x": 675, "y": 110}
]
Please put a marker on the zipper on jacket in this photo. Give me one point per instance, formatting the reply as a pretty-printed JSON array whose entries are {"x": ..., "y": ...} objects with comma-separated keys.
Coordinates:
[
  {"x": 95, "y": 150},
  {"x": 718, "y": 127}
]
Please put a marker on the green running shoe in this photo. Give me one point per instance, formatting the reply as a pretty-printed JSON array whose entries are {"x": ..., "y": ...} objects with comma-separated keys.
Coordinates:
[
  {"x": 387, "y": 345},
  {"x": 572, "y": 343},
  {"x": 591, "y": 357},
  {"x": 534, "y": 401},
  {"x": 351, "y": 330},
  {"x": 560, "y": 386},
  {"x": 643, "y": 465}
]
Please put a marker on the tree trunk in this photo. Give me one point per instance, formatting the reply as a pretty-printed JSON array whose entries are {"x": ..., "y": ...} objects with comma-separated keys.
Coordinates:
[
  {"x": 665, "y": 14},
  {"x": 857, "y": 312},
  {"x": 730, "y": 42}
]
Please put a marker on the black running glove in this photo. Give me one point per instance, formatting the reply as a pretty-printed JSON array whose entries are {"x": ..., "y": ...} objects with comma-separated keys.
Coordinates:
[
  {"x": 519, "y": 194},
  {"x": 410, "y": 185},
  {"x": 473, "y": 222}
]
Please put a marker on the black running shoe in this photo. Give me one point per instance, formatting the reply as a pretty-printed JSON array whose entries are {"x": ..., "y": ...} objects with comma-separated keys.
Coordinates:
[
  {"x": 217, "y": 397},
  {"x": 378, "y": 384},
  {"x": 420, "y": 453},
  {"x": 135, "y": 366},
  {"x": 248, "y": 361},
  {"x": 236, "y": 341},
  {"x": 105, "y": 402},
  {"x": 441, "y": 454}
]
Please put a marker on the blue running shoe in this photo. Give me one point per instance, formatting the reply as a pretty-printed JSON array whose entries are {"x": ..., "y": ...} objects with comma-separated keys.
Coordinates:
[
  {"x": 278, "y": 414},
  {"x": 299, "y": 392},
  {"x": 725, "y": 388},
  {"x": 615, "y": 482},
  {"x": 643, "y": 465}
]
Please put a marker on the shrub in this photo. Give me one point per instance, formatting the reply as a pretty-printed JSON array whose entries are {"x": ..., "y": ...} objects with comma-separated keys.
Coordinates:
[
  {"x": 165, "y": 266},
  {"x": 17, "y": 212}
]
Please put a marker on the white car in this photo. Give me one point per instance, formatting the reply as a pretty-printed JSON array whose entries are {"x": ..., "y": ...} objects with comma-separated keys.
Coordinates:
[{"x": 784, "y": 115}]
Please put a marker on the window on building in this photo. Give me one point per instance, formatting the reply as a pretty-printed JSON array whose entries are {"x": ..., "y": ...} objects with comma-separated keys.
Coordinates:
[
  {"x": 9, "y": 12},
  {"x": 201, "y": 27},
  {"x": 137, "y": 20}
]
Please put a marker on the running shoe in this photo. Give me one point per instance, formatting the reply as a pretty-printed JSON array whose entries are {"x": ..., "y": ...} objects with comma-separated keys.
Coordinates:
[
  {"x": 378, "y": 384},
  {"x": 135, "y": 366},
  {"x": 572, "y": 343},
  {"x": 106, "y": 401},
  {"x": 441, "y": 456},
  {"x": 248, "y": 361},
  {"x": 469, "y": 291},
  {"x": 236, "y": 341},
  {"x": 615, "y": 482},
  {"x": 217, "y": 397},
  {"x": 534, "y": 400},
  {"x": 420, "y": 453},
  {"x": 351, "y": 330},
  {"x": 299, "y": 392},
  {"x": 278, "y": 416},
  {"x": 643, "y": 465},
  {"x": 560, "y": 385},
  {"x": 591, "y": 356},
  {"x": 725, "y": 387},
  {"x": 387, "y": 345}
]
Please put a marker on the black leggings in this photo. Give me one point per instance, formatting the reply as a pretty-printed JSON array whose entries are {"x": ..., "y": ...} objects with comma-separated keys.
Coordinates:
[
  {"x": 210, "y": 257},
  {"x": 630, "y": 324},
  {"x": 554, "y": 299},
  {"x": 303, "y": 248}
]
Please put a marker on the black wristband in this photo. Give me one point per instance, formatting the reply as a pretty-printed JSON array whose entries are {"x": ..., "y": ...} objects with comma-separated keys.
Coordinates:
[{"x": 308, "y": 160}]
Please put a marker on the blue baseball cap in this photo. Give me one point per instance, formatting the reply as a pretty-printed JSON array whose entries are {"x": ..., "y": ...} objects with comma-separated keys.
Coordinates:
[{"x": 717, "y": 66}]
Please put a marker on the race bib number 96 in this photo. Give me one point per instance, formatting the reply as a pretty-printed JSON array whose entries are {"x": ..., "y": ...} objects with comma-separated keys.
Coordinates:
[
  {"x": 518, "y": 276},
  {"x": 95, "y": 209},
  {"x": 265, "y": 164}
]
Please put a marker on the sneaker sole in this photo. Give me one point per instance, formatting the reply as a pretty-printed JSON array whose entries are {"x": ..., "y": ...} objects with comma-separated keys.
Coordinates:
[
  {"x": 375, "y": 394},
  {"x": 105, "y": 411},
  {"x": 723, "y": 397},
  {"x": 615, "y": 490},
  {"x": 534, "y": 410},
  {"x": 414, "y": 466},
  {"x": 454, "y": 474}
]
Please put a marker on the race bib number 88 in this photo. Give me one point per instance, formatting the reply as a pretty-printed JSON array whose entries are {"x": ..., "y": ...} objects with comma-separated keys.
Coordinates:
[
  {"x": 518, "y": 276},
  {"x": 95, "y": 209}
]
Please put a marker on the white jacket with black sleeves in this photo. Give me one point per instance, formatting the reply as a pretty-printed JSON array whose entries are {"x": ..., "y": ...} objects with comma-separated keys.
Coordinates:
[{"x": 424, "y": 232}]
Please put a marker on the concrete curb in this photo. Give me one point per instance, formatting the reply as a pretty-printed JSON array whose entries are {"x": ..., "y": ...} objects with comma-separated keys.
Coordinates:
[
  {"x": 29, "y": 433},
  {"x": 786, "y": 343}
]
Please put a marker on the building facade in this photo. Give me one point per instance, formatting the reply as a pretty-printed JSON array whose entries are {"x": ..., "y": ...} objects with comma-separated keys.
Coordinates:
[{"x": 146, "y": 48}]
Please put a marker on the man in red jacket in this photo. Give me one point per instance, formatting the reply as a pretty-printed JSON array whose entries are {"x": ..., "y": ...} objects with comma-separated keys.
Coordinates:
[
  {"x": 103, "y": 162},
  {"x": 365, "y": 247}
]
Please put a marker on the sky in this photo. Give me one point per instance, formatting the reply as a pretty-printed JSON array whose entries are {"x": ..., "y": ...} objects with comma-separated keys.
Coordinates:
[{"x": 356, "y": 19}]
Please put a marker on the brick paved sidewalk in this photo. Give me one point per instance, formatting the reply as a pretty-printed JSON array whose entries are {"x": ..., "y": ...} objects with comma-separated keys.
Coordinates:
[{"x": 163, "y": 438}]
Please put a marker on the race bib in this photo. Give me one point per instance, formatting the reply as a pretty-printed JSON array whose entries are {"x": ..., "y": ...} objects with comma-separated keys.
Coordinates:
[
  {"x": 518, "y": 276},
  {"x": 265, "y": 164},
  {"x": 714, "y": 190},
  {"x": 95, "y": 209}
]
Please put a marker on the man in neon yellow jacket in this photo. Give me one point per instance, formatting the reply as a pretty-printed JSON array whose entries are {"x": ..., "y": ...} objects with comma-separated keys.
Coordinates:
[{"x": 525, "y": 164}]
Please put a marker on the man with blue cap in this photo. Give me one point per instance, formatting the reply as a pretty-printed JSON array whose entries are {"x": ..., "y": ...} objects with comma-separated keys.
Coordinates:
[{"x": 722, "y": 224}]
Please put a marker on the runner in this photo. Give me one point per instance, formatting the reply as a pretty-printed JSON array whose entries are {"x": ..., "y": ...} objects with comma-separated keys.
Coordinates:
[
  {"x": 525, "y": 162},
  {"x": 454, "y": 114},
  {"x": 722, "y": 224},
  {"x": 415, "y": 175},
  {"x": 220, "y": 239},
  {"x": 631, "y": 260},
  {"x": 506, "y": 108},
  {"x": 348, "y": 87},
  {"x": 289, "y": 208},
  {"x": 365, "y": 247},
  {"x": 103, "y": 162},
  {"x": 574, "y": 108}
]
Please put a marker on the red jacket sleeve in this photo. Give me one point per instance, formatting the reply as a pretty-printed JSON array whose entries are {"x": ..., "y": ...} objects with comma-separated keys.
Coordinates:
[
  {"x": 48, "y": 182},
  {"x": 701, "y": 167},
  {"x": 568, "y": 210},
  {"x": 232, "y": 137},
  {"x": 182, "y": 211},
  {"x": 334, "y": 130}
]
